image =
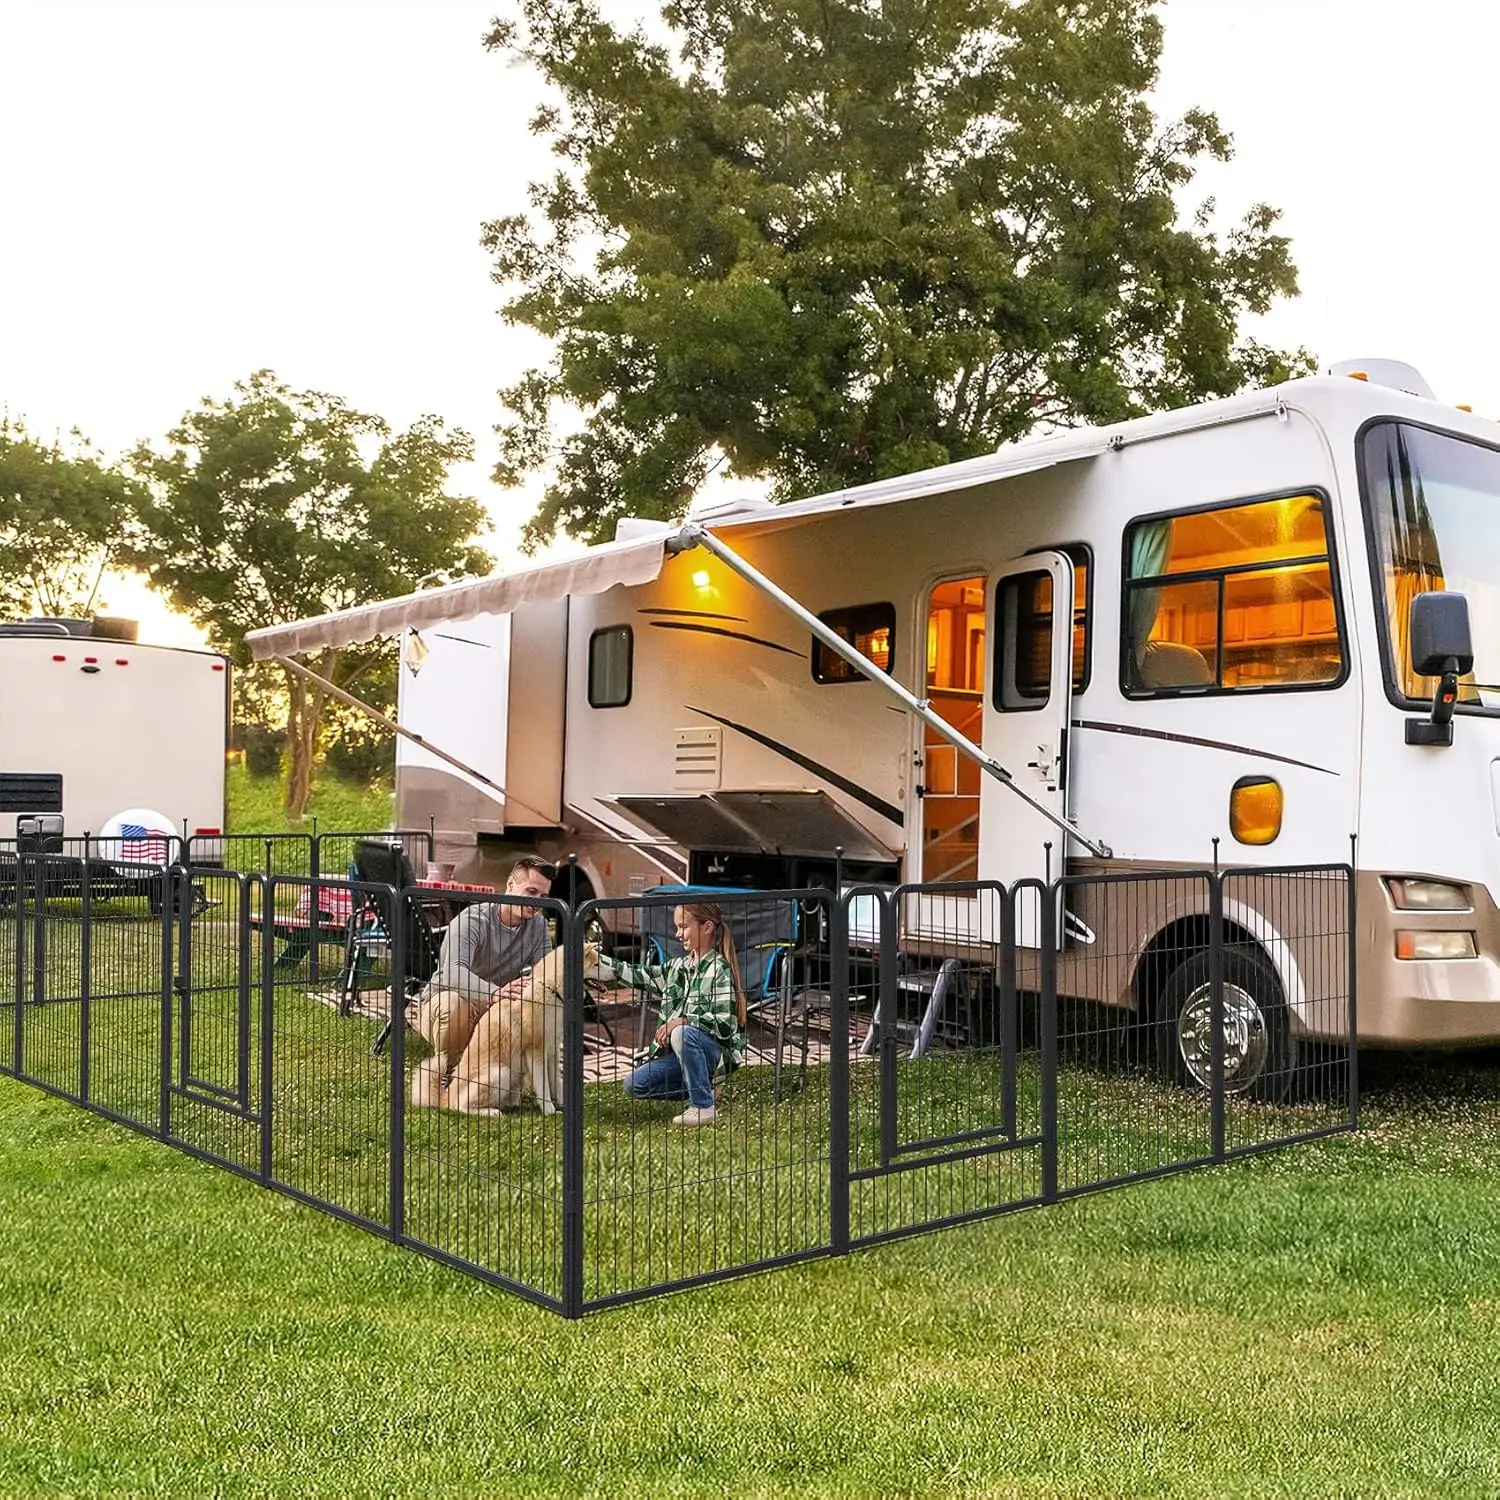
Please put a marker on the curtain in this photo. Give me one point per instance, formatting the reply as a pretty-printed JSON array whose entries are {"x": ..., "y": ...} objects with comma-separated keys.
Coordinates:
[{"x": 1150, "y": 547}]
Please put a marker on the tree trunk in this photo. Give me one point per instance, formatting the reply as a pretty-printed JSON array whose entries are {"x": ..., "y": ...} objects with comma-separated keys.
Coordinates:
[
  {"x": 303, "y": 718},
  {"x": 298, "y": 763}
]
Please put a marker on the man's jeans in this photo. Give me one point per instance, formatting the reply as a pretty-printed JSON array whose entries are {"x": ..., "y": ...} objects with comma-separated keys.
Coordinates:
[{"x": 686, "y": 1072}]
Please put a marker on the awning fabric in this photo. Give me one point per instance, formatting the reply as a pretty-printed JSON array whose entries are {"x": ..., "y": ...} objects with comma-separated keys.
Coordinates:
[
  {"x": 636, "y": 561},
  {"x": 640, "y": 559},
  {"x": 990, "y": 468}
]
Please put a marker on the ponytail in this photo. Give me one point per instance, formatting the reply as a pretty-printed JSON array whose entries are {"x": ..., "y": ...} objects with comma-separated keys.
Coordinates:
[{"x": 708, "y": 911}]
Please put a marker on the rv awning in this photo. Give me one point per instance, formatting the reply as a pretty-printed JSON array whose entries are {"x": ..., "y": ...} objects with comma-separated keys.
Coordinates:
[
  {"x": 1014, "y": 462},
  {"x": 636, "y": 561}
]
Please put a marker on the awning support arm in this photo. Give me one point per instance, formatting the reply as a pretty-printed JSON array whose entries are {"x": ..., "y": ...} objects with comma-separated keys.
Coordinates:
[
  {"x": 380, "y": 718},
  {"x": 696, "y": 535}
]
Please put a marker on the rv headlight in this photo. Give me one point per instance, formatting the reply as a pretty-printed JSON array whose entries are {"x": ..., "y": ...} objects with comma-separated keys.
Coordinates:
[
  {"x": 1435, "y": 945},
  {"x": 1428, "y": 895}
]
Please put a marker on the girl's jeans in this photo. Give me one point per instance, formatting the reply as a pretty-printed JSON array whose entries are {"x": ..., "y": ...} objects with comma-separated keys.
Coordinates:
[{"x": 687, "y": 1071}]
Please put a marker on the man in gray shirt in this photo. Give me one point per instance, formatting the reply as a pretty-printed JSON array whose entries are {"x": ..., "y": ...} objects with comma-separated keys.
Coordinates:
[{"x": 487, "y": 950}]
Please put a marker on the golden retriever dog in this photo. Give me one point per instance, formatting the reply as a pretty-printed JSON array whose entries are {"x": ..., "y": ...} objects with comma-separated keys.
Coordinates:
[{"x": 516, "y": 1043}]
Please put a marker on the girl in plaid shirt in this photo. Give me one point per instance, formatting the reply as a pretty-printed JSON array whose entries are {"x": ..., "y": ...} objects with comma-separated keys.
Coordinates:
[{"x": 702, "y": 1020}]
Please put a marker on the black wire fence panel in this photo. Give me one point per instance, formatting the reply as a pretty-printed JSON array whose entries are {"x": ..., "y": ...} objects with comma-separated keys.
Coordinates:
[
  {"x": 913, "y": 1056},
  {"x": 669, "y": 1204}
]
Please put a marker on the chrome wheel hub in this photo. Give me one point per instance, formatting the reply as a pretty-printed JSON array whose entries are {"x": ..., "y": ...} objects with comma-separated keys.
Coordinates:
[{"x": 1247, "y": 1041}]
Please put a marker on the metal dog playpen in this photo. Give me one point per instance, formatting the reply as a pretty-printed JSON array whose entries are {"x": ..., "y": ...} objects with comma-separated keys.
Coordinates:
[{"x": 917, "y": 1056}]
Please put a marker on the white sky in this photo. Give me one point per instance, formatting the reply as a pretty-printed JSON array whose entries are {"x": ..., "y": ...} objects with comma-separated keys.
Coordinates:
[{"x": 198, "y": 188}]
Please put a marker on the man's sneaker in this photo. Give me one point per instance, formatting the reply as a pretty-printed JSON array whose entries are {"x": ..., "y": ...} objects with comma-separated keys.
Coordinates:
[{"x": 693, "y": 1115}]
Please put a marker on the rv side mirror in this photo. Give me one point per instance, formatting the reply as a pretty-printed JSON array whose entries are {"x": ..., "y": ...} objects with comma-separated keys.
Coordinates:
[{"x": 1440, "y": 647}]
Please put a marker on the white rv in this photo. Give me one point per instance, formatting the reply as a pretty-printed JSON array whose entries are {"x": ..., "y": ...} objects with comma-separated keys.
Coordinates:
[
  {"x": 1104, "y": 650},
  {"x": 93, "y": 723}
]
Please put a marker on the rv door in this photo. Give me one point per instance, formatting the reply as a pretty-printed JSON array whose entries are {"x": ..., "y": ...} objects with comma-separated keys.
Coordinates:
[{"x": 1027, "y": 705}]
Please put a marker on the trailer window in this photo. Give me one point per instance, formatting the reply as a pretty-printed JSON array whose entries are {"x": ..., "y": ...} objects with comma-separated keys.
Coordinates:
[
  {"x": 611, "y": 653},
  {"x": 869, "y": 628},
  {"x": 1235, "y": 598}
]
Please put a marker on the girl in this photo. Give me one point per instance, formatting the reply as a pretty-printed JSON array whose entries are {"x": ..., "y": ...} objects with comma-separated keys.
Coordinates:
[{"x": 702, "y": 1020}]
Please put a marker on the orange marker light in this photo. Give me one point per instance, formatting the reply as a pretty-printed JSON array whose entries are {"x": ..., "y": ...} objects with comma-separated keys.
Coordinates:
[{"x": 1256, "y": 804}]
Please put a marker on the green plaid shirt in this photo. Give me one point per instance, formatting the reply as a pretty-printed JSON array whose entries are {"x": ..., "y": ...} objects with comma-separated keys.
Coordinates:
[{"x": 700, "y": 990}]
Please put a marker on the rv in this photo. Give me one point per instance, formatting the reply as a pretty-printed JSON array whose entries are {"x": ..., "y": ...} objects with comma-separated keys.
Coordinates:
[
  {"x": 1234, "y": 634},
  {"x": 96, "y": 724}
]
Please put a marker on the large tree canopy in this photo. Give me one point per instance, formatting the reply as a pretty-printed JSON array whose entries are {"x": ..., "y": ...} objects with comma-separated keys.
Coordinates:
[
  {"x": 277, "y": 504},
  {"x": 825, "y": 241},
  {"x": 63, "y": 517}
]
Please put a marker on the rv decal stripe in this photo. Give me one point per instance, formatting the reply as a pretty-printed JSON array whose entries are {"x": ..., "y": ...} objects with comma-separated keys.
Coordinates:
[
  {"x": 1189, "y": 739},
  {"x": 693, "y": 614},
  {"x": 733, "y": 635},
  {"x": 876, "y": 804}
]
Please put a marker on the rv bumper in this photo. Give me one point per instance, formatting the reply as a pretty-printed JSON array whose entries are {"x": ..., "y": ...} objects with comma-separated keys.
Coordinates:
[{"x": 1426, "y": 1001}]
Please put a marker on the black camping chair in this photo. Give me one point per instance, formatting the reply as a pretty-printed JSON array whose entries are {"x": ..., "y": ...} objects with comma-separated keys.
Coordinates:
[{"x": 376, "y": 914}]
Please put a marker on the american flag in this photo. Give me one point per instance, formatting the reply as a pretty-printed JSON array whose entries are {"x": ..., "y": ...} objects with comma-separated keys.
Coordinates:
[{"x": 144, "y": 845}]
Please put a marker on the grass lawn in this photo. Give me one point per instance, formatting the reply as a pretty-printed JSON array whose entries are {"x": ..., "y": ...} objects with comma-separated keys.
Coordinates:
[
  {"x": 1317, "y": 1321},
  {"x": 256, "y": 805}
]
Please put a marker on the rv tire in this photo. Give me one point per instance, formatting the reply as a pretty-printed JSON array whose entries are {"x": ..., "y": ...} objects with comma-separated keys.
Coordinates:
[{"x": 1260, "y": 1053}]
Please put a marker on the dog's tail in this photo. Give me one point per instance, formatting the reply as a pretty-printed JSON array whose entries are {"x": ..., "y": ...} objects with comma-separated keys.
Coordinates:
[{"x": 427, "y": 1084}]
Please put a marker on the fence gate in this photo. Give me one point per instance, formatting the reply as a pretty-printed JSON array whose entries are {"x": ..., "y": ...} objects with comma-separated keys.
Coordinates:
[
  {"x": 211, "y": 1093},
  {"x": 945, "y": 1105}
]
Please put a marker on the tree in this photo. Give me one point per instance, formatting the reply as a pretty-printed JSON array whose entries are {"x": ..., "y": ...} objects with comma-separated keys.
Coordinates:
[
  {"x": 265, "y": 507},
  {"x": 827, "y": 241},
  {"x": 63, "y": 518}
]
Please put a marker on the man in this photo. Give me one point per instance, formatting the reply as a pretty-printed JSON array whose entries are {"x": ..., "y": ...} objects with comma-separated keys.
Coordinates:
[{"x": 487, "y": 950}]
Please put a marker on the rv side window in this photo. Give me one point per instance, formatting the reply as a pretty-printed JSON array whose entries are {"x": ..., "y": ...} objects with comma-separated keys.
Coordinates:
[
  {"x": 610, "y": 655},
  {"x": 869, "y": 628},
  {"x": 1230, "y": 599},
  {"x": 1023, "y": 640},
  {"x": 1037, "y": 686}
]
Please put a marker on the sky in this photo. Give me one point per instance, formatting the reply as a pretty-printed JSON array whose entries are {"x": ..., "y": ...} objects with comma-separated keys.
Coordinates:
[{"x": 196, "y": 189}]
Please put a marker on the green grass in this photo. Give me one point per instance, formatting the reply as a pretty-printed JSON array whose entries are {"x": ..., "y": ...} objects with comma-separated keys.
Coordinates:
[
  {"x": 1316, "y": 1321},
  {"x": 1320, "y": 1321},
  {"x": 256, "y": 805}
]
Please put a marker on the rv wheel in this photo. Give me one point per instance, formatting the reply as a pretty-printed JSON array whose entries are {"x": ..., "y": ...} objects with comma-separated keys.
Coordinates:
[{"x": 1259, "y": 1052}]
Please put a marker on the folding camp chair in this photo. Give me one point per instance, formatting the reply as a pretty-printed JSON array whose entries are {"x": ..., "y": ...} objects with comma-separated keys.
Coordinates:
[{"x": 377, "y": 916}]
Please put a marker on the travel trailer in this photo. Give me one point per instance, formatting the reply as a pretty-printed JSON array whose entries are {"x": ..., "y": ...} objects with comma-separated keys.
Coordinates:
[
  {"x": 95, "y": 724},
  {"x": 1237, "y": 633}
]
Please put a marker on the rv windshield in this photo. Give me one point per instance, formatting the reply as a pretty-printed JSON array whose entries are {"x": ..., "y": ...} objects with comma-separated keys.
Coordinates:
[{"x": 1434, "y": 505}]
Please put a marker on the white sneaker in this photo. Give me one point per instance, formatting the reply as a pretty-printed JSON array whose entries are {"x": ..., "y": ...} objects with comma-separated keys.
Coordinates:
[{"x": 693, "y": 1115}]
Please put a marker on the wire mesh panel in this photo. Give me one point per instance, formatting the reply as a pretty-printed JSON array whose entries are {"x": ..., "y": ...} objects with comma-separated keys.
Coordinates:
[
  {"x": 678, "y": 1188},
  {"x": 335, "y": 851},
  {"x": 264, "y": 854},
  {"x": 1129, "y": 944},
  {"x": 944, "y": 1121},
  {"x": 327, "y": 1098},
  {"x": 87, "y": 967},
  {"x": 482, "y": 1073},
  {"x": 1288, "y": 1004}
]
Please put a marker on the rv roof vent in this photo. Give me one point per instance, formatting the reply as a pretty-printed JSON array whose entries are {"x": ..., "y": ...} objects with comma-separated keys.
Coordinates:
[
  {"x": 632, "y": 528},
  {"x": 1388, "y": 372},
  {"x": 741, "y": 505},
  {"x": 34, "y": 628},
  {"x": 113, "y": 628},
  {"x": 69, "y": 627}
]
